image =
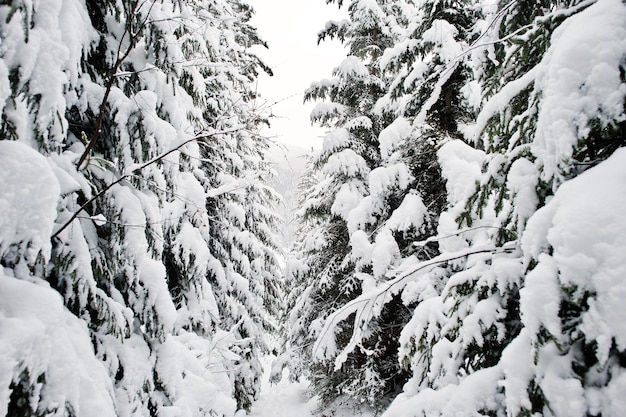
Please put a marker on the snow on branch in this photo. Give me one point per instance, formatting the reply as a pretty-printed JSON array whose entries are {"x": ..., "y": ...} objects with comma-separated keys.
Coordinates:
[
  {"x": 370, "y": 305},
  {"x": 121, "y": 57},
  {"x": 136, "y": 169}
]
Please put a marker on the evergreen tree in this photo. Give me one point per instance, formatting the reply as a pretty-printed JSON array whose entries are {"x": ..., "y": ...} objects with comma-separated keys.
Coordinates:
[
  {"x": 327, "y": 277},
  {"x": 163, "y": 243},
  {"x": 404, "y": 189},
  {"x": 510, "y": 323},
  {"x": 475, "y": 284}
]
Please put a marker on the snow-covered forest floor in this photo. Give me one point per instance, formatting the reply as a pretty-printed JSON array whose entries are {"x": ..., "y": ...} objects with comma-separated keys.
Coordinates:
[
  {"x": 285, "y": 399},
  {"x": 282, "y": 399},
  {"x": 292, "y": 399}
]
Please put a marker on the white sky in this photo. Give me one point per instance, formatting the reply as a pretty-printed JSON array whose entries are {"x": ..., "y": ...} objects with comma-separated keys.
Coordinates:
[{"x": 290, "y": 28}]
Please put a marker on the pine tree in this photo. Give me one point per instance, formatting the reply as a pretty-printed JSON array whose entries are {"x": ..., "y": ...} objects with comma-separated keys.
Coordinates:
[
  {"x": 511, "y": 306},
  {"x": 405, "y": 191},
  {"x": 327, "y": 278},
  {"x": 163, "y": 244},
  {"x": 475, "y": 285}
]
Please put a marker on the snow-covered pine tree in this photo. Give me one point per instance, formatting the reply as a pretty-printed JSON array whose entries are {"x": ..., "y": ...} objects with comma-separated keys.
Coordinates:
[
  {"x": 141, "y": 110},
  {"x": 426, "y": 75},
  {"x": 524, "y": 326},
  {"x": 349, "y": 153}
]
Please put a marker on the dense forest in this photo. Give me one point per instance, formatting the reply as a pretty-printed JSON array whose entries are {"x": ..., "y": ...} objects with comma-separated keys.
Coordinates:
[{"x": 460, "y": 236}]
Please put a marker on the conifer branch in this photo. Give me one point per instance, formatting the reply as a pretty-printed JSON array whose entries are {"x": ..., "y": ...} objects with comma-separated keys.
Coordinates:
[
  {"x": 112, "y": 76},
  {"x": 367, "y": 301},
  {"x": 136, "y": 171}
]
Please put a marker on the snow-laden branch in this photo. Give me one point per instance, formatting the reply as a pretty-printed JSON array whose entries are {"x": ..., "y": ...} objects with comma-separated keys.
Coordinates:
[
  {"x": 121, "y": 57},
  {"x": 137, "y": 168},
  {"x": 370, "y": 304}
]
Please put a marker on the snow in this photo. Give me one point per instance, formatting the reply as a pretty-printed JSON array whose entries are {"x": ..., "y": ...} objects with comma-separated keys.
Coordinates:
[
  {"x": 336, "y": 140},
  {"x": 36, "y": 335},
  {"x": 293, "y": 399},
  {"x": 499, "y": 102},
  {"x": 393, "y": 135},
  {"x": 284, "y": 399},
  {"x": 29, "y": 192},
  {"x": 461, "y": 165},
  {"x": 49, "y": 60},
  {"x": 571, "y": 249},
  {"x": 351, "y": 67},
  {"x": 394, "y": 176},
  {"x": 361, "y": 122},
  {"x": 541, "y": 297},
  {"x": 411, "y": 213},
  {"x": 442, "y": 34},
  {"x": 476, "y": 392},
  {"x": 347, "y": 162},
  {"x": 522, "y": 181},
  {"x": 5, "y": 85},
  {"x": 579, "y": 81},
  {"x": 154, "y": 295},
  {"x": 384, "y": 253},
  {"x": 349, "y": 196},
  {"x": 589, "y": 256},
  {"x": 193, "y": 390},
  {"x": 326, "y": 110},
  {"x": 519, "y": 370}
]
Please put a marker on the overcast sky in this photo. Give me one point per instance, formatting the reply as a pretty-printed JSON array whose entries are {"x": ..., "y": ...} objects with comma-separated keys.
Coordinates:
[{"x": 290, "y": 28}]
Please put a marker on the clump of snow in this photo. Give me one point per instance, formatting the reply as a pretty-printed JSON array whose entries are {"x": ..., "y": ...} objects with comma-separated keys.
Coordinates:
[
  {"x": 522, "y": 182},
  {"x": 336, "y": 140},
  {"x": 361, "y": 122},
  {"x": 347, "y": 198},
  {"x": 348, "y": 163},
  {"x": 395, "y": 176},
  {"x": 39, "y": 336},
  {"x": 461, "y": 166},
  {"x": 352, "y": 66},
  {"x": 411, "y": 213},
  {"x": 29, "y": 192},
  {"x": 154, "y": 296},
  {"x": 579, "y": 80},
  {"x": 384, "y": 253},
  {"x": 326, "y": 110},
  {"x": 587, "y": 234},
  {"x": 393, "y": 135},
  {"x": 5, "y": 85},
  {"x": 519, "y": 370},
  {"x": 442, "y": 34},
  {"x": 361, "y": 247}
]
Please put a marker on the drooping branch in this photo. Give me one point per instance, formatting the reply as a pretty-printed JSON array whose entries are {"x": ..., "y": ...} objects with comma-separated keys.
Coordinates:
[
  {"x": 137, "y": 170},
  {"x": 365, "y": 306}
]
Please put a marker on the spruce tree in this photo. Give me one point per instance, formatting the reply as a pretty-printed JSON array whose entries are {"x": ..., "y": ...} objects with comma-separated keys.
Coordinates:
[
  {"x": 327, "y": 278},
  {"x": 405, "y": 191},
  {"x": 509, "y": 324},
  {"x": 163, "y": 244}
]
